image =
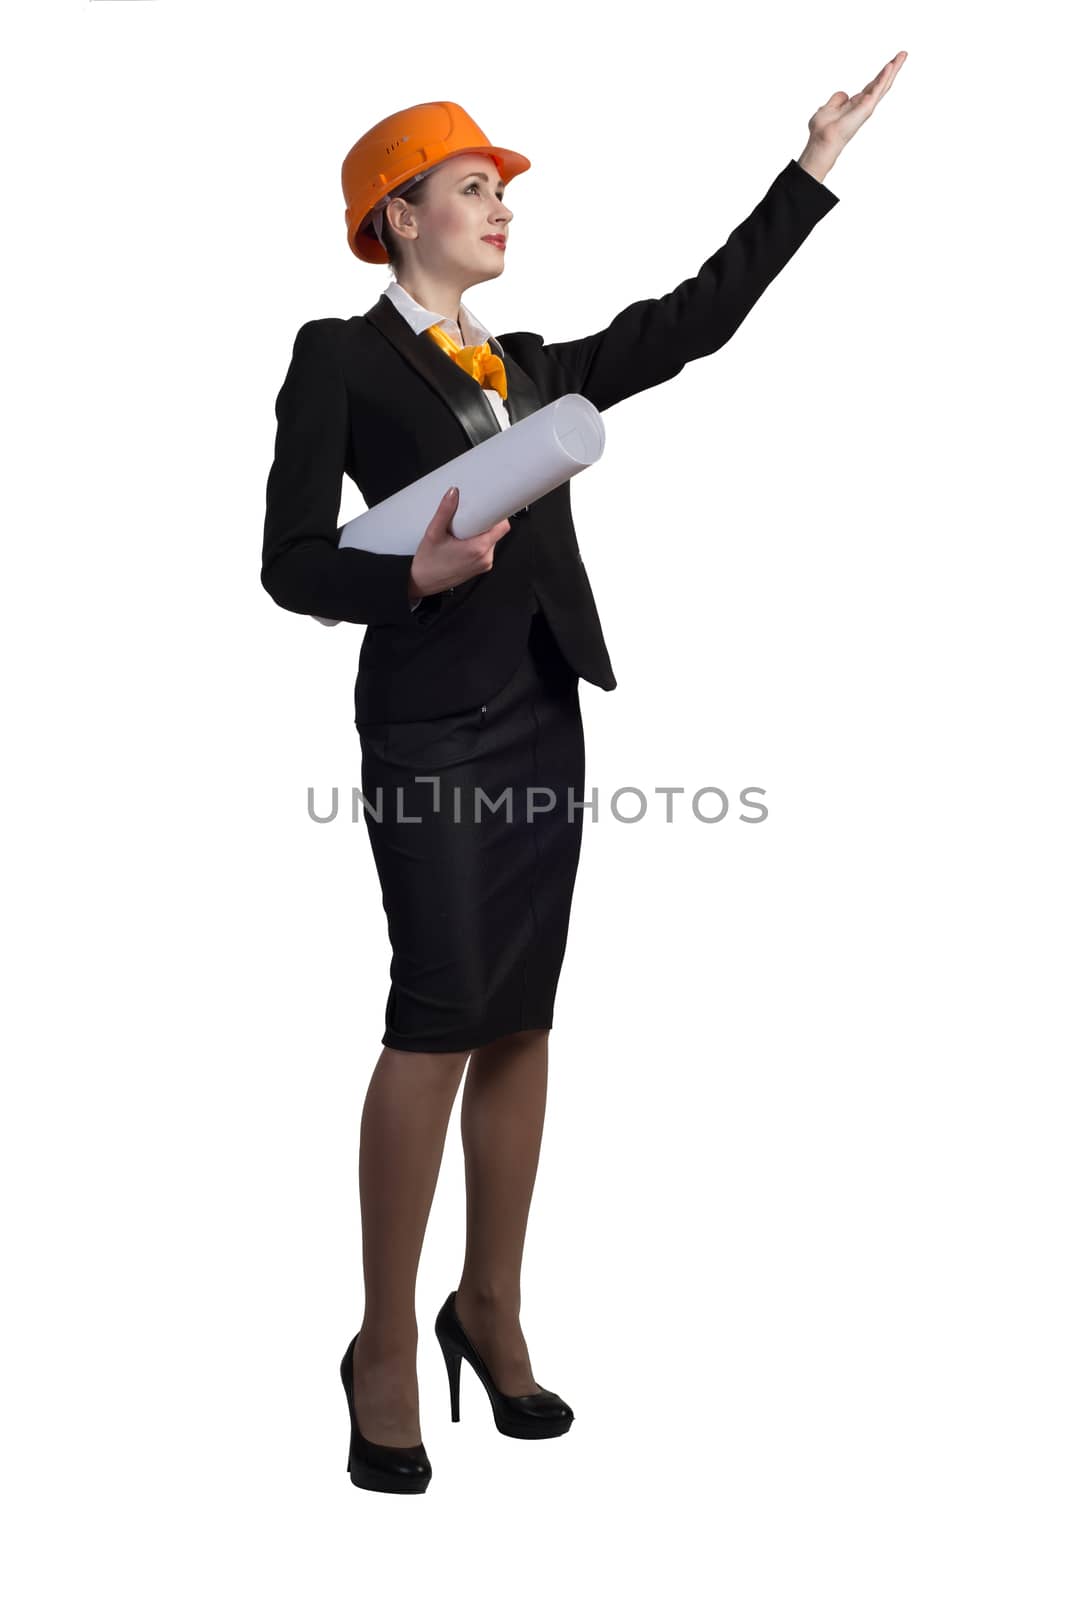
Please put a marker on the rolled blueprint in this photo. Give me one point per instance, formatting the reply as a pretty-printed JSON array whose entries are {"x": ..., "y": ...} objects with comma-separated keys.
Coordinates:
[{"x": 495, "y": 479}]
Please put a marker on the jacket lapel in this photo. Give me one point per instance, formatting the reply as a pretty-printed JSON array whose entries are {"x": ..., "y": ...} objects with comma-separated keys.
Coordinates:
[
  {"x": 523, "y": 397},
  {"x": 466, "y": 399}
]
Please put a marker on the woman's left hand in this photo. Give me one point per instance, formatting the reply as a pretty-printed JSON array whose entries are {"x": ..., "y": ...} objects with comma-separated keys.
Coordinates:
[{"x": 835, "y": 123}]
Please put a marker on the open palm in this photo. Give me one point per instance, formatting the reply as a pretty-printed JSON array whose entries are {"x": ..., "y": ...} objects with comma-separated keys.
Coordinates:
[{"x": 838, "y": 120}]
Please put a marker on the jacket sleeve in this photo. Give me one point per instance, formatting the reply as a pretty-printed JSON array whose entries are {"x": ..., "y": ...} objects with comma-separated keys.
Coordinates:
[
  {"x": 652, "y": 340},
  {"x": 303, "y": 567}
]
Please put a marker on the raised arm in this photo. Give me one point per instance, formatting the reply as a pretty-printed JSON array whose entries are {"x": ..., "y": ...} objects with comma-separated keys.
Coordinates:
[
  {"x": 652, "y": 340},
  {"x": 303, "y": 568}
]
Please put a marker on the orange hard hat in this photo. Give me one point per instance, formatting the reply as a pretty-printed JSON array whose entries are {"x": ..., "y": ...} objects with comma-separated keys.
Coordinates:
[{"x": 402, "y": 147}]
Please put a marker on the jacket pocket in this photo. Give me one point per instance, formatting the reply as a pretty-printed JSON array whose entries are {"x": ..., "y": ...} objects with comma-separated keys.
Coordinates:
[{"x": 432, "y": 745}]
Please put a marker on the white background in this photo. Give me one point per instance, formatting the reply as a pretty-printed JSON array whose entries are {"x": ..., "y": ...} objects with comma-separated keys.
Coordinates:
[{"x": 796, "y": 1252}]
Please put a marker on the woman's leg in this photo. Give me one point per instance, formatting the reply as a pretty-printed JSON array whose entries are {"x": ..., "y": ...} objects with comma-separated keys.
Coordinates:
[
  {"x": 402, "y": 1136},
  {"x": 501, "y": 1119}
]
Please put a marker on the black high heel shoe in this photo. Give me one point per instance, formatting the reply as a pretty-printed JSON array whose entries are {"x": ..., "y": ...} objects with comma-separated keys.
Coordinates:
[
  {"x": 391, "y": 1468},
  {"x": 521, "y": 1416}
]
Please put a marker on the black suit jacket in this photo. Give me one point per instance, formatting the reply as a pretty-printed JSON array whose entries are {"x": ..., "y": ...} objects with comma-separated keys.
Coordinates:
[{"x": 368, "y": 396}]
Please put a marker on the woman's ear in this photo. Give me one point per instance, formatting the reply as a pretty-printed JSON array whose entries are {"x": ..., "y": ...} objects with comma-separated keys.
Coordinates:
[{"x": 405, "y": 216}]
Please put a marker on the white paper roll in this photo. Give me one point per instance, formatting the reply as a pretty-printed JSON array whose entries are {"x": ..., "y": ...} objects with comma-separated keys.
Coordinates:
[{"x": 495, "y": 478}]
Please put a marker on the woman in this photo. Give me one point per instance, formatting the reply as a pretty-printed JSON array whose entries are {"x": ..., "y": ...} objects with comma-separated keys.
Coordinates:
[{"x": 468, "y": 687}]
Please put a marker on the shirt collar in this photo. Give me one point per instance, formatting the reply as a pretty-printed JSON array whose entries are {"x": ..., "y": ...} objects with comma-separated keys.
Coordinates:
[{"x": 418, "y": 318}]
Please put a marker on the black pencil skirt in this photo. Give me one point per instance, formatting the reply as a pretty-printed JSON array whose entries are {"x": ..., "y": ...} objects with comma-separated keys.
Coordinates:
[{"x": 477, "y": 891}]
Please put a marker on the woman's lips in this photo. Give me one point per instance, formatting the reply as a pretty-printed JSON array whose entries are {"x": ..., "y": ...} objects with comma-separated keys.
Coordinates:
[{"x": 489, "y": 238}]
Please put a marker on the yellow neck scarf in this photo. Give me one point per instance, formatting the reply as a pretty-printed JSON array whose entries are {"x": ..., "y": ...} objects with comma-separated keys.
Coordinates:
[{"x": 477, "y": 360}]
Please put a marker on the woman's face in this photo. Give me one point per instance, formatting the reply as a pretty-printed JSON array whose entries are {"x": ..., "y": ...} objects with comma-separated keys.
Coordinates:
[{"x": 461, "y": 204}]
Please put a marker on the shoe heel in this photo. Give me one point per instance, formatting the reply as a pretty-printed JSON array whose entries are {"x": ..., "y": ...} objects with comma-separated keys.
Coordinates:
[{"x": 453, "y": 1362}]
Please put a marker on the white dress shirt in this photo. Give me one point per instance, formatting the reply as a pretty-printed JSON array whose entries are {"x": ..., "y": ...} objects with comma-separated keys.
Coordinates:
[{"x": 467, "y": 331}]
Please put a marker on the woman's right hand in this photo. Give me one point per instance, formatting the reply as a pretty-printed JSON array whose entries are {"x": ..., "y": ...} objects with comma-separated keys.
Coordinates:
[{"x": 441, "y": 560}]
